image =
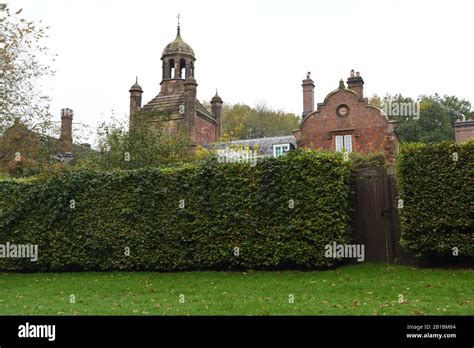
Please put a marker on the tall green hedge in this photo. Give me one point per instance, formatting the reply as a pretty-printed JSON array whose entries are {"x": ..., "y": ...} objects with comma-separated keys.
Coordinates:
[
  {"x": 280, "y": 213},
  {"x": 438, "y": 198}
]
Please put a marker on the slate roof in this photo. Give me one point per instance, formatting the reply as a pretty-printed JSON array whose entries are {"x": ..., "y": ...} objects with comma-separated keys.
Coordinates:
[
  {"x": 265, "y": 145},
  {"x": 77, "y": 149}
]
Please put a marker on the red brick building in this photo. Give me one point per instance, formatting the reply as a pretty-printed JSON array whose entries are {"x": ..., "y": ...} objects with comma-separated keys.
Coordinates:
[
  {"x": 464, "y": 130},
  {"x": 21, "y": 146},
  {"x": 177, "y": 98},
  {"x": 345, "y": 121}
]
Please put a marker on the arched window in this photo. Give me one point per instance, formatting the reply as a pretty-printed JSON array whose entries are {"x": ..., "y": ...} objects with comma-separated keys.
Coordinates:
[
  {"x": 182, "y": 68},
  {"x": 171, "y": 68}
]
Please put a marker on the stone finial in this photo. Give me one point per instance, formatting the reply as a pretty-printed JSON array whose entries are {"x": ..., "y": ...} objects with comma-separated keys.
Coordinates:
[
  {"x": 308, "y": 75},
  {"x": 136, "y": 87},
  {"x": 216, "y": 98},
  {"x": 179, "y": 23},
  {"x": 341, "y": 84}
]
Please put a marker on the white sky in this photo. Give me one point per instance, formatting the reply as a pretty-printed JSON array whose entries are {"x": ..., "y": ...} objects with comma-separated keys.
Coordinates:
[{"x": 254, "y": 51}]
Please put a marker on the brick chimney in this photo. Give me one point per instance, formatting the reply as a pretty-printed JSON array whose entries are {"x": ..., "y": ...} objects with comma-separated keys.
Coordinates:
[
  {"x": 65, "y": 139},
  {"x": 356, "y": 83},
  {"x": 308, "y": 95}
]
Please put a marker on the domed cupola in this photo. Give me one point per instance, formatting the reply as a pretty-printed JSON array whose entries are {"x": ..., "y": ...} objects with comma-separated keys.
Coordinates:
[
  {"x": 178, "y": 46},
  {"x": 178, "y": 59}
]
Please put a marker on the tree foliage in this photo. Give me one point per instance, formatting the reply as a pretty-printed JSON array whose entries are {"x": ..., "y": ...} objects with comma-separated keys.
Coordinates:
[
  {"x": 25, "y": 60},
  {"x": 143, "y": 146},
  {"x": 240, "y": 121},
  {"x": 458, "y": 108},
  {"x": 436, "y": 116}
]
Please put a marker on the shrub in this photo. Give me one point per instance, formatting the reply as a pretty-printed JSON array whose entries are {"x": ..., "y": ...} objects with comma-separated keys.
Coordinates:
[
  {"x": 207, "y": 215},
  {"x": 438, "y": 198},
  {"x": 375, "y": 159}
]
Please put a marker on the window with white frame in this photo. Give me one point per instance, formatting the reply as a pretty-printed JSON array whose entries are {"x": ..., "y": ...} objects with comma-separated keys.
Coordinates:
[
  {"x": 280, "y": 149},
  {"x": 344, "y": 142}
]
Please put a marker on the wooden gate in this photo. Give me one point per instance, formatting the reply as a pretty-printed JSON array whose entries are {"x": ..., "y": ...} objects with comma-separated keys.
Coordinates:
[{"x": 376, "y": 215}]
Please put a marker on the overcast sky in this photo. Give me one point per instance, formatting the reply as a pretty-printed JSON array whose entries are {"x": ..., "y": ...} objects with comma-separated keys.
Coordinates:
[{"x": 254, "y": 51}]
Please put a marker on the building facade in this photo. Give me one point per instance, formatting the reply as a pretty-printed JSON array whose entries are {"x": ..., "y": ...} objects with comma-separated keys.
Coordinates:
[{"x": 345, "y": 121}]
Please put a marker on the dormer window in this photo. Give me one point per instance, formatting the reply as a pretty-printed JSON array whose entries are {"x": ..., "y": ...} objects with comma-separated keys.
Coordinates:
[{"x": 280, "y": 149}]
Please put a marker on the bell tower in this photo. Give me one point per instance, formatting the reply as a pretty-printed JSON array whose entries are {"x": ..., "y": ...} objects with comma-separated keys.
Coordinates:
[
  {"x": 178, "y": 78},
  {"x": 177, "y": 60}
]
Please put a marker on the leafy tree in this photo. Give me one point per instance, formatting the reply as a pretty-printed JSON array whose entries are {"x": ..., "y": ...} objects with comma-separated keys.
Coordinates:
[
  {"x": 24, "y": 60},
  {"x": 140, "y": 147},
  {"x": 241, "y": 121},
  {"x": 436, "y": 118},
  {"x": 387, "y": 99},
  {"x": 434, "y": 124},
  {"x": 457, "y": 108}
]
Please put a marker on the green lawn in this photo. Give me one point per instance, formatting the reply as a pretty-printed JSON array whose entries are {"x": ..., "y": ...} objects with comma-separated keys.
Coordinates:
[{"x": 366, "y": 289}]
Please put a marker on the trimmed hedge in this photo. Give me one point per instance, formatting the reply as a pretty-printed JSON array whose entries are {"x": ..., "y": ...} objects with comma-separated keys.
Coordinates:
[
  {"x": 226, "y": 206},
  {"x": 438, "y": 198}
]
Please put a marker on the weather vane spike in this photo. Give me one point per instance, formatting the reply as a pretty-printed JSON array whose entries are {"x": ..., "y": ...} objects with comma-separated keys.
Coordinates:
[{"x": 179, "y": 17}]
